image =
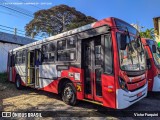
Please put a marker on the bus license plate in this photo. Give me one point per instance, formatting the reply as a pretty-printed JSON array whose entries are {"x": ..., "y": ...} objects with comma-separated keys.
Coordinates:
[{"x": 139, "y": 94}]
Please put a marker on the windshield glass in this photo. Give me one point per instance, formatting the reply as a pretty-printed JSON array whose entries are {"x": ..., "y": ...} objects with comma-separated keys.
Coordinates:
[
  {"x": 133, "y": 57},
  {"x": 156, "y": 55},
  {"x": 122, "y": 27}
]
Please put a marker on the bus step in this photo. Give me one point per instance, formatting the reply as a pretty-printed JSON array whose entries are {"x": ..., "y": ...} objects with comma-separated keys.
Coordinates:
[
  {"x": 95, "y": 102},
  {"x": 32, "y": 84}
]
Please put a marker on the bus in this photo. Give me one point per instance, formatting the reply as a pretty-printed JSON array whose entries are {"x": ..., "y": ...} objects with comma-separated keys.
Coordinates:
[
  {"x": 103, "y": 63},
  {"x": 153, "y": 63}
]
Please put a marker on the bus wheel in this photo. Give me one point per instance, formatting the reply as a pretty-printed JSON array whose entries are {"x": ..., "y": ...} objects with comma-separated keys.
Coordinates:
[
  {"x": 18, "y": 83},
  {"x": 69, "y": 94}
]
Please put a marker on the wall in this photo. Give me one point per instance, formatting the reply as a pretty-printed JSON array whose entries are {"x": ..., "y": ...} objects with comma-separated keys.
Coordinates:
[{"x": 4, "y": 48}]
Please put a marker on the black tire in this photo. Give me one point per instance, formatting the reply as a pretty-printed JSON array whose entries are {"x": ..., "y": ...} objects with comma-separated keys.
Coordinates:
[
  {"x": 18, "y": 83},
  {"x": 69, "y": 94}
]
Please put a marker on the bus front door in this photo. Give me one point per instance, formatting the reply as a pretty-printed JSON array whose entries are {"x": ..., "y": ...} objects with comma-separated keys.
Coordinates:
[
  {"x": 31, "y": 68},
  {"x": 92, "y": 65},
  {"x": 37, "y": 63}
]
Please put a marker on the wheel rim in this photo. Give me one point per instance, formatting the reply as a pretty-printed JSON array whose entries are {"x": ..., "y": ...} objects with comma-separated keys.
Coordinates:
[
  {"x": 68, "y": 93},
  {"x": 17, "y": 83}
]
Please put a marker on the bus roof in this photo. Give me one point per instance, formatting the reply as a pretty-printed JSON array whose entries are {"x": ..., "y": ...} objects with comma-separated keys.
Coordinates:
[{"x": 106, "y": 21}]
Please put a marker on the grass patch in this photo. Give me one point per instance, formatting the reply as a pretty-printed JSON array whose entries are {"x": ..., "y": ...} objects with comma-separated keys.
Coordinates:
[{"x": 3, "y": 77}]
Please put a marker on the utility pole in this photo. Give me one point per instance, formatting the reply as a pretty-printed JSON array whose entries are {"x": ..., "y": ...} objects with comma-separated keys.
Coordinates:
[{"x": 15, "y": 31}]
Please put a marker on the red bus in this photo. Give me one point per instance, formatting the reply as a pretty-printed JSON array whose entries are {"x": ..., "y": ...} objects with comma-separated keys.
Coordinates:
[
  {"x": 86, "y": 63},
  {"x": 153, "y": 63}
]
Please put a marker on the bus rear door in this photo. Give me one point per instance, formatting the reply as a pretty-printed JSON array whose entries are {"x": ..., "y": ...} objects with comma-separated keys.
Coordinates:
[{"x": 10, "y": 66}]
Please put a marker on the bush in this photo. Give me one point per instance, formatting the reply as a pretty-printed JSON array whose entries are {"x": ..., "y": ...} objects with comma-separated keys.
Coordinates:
[{"x": 3, "y": 77}]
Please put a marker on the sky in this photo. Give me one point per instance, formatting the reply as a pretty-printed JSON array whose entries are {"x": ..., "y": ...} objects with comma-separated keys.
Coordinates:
[{"x": 131, "y": 11}]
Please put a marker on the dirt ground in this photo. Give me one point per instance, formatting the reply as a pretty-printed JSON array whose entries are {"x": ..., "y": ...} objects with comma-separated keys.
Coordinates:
[{"x": 30, "y": 99}]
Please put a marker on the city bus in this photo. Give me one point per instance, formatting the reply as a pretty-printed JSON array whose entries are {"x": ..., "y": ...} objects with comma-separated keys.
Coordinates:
[
  {"x": 153, "y": 63},
  {"x": 102, "y": 63}
]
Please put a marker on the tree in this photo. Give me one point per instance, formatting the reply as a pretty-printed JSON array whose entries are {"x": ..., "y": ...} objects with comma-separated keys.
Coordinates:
[
  {"x": 56, "y": 20},
  {"x": 149, "y": 33}
]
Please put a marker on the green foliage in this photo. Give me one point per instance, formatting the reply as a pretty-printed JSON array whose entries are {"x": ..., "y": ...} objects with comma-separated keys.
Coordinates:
[
  {"x": 56, "y": 20},
  {"x": 3, "y": 77},
  {"x": 149, "y": 33}
]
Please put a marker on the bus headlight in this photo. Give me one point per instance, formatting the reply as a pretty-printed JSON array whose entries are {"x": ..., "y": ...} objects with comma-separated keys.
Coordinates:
[{"x": 122, "y": 84}]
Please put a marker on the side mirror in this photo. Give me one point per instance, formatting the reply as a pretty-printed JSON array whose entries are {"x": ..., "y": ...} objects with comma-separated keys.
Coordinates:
[
  {"x": 123, "y": 41},
  {"x": 153, "y": 48}
]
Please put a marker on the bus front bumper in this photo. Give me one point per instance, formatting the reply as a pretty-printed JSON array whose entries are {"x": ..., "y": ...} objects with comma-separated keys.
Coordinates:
[
  {"x": 156, "y": 84},
  {"x": 125, "y": 99}
]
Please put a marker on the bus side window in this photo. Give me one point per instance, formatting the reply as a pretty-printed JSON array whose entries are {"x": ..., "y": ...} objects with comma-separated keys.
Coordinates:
[
  {"x": 108, "y": 60},
  {"x": 44, "y": 53},
  {"x": 61, "y": 45},
  {"x": 71, "y": 43},
  {"x": 51, "y": 52},
  {"x": 18, "y": 57},
  {"x": 48, "y": 52},
  {"x": 67, "y": 53},
  {"x": 98, "y": 51},
  {"x": 23, "y": 56}
]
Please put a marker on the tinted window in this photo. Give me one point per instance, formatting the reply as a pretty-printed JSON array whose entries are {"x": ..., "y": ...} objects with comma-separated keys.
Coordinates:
[
  {"x": 122, "y": 26},
  {"x": 23, "y": 56},
  {"x": 98, "y": 51},
  {"x": 48, "y": 52},
  {"x": 61, "y": 44},
  {"x": 19, "y": 57},
  {"x": 51, "y": 47},
  {"x": 71, "y": 42},
  {"x": 66, "y": 49},
  {"x": 108, "y": 68},
  {"x": 66, "y": 55}
]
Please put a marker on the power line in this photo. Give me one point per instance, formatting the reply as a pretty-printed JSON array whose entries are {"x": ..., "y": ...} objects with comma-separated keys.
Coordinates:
[
  {"x": 17, "y": 8},
  {"x": 23, "y": 34},
  {"x": 21, "y": 12},
  {"x": 17, "y": 11},
  {"x": 8, "y": 13},
  {"x": 11, "y": 28},
  {"x": 6, "y": 30}
]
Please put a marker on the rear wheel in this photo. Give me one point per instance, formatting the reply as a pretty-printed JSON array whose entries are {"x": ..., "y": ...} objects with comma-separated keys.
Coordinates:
[
  {"x": 18, "y": 83},
  {"x": 69, "y": 94}
]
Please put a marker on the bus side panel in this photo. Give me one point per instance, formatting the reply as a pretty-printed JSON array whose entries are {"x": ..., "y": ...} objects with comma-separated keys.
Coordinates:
[
  {"x": 108, "y": 91},
  {"x": 48, "y": 78},
  {"x": 76, "y": 76},
  {"x": 52, "y": 85},
  {"x": 20, "y": 69},
  {"x": 14, "y": 74},
  {"x": 150, "y": 77},
  {"x": 79, "y": 81}
]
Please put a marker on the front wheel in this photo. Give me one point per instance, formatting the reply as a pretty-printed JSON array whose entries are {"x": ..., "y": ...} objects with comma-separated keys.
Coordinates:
[
  {"x": 18, "y": 83},
  {"x": 69, "y": 94}
]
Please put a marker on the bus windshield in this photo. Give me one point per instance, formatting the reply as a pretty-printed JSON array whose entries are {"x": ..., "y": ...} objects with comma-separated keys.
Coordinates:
[
  {"x": 132, "y": 58},
  {"x": 156, "y": 55}
]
